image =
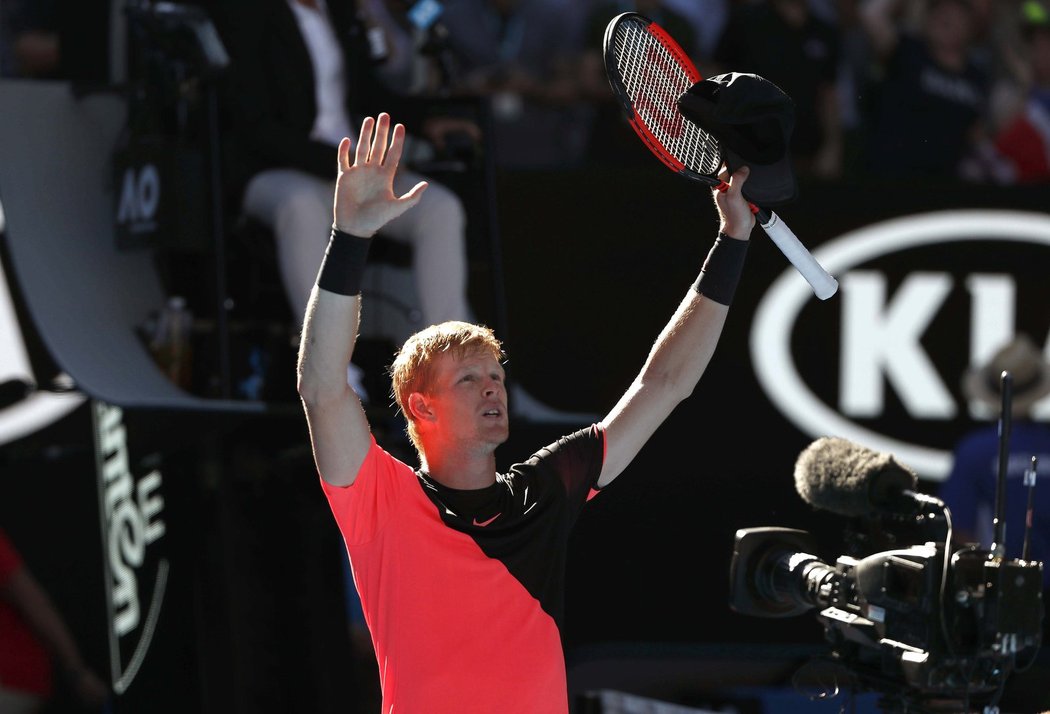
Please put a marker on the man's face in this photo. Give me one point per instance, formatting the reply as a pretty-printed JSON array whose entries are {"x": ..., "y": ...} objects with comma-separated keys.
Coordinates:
[{"x": 469, "y": 401}]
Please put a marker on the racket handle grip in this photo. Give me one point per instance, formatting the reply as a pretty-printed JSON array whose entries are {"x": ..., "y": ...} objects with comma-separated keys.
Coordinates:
[{"x": 823, "y": 284}]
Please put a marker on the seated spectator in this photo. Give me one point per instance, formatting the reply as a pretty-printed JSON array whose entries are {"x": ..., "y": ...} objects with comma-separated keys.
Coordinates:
[
  {"x": 933, "y": 94},
  {"x": 300, "y": 74},
  {"x": 788, "y": 44}
]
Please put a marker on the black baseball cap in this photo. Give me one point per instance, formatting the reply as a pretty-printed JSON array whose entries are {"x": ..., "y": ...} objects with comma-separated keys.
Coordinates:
[{"x": 752, "y": 118}]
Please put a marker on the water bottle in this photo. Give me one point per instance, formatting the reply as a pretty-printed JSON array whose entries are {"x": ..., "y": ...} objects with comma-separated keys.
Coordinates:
[{"x": 171, "y": 344}]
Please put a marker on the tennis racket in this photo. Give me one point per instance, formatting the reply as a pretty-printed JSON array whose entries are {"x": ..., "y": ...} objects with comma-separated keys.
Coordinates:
[{"x": 648, "y": 72}]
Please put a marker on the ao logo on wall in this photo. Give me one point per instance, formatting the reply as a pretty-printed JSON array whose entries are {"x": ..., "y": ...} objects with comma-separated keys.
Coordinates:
[
  {"x": 139, "y": 199},
  {"x": 922, "y": 298},
  {"x": 39, "y": 409}
]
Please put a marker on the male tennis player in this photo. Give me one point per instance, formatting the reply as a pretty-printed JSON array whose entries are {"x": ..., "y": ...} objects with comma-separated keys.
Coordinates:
[{"x": 461, "y": 569}]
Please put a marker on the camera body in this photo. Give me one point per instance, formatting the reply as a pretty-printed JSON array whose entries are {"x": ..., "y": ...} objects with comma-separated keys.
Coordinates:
[{"x": 922, "y": 621}]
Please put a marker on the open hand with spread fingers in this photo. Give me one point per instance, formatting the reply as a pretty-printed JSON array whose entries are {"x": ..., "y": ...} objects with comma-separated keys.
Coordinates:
[{"x": 364, "y": 193}]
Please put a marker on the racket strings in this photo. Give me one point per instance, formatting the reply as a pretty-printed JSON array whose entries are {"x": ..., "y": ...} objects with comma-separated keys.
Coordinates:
[{"x": 654, "y": 79}]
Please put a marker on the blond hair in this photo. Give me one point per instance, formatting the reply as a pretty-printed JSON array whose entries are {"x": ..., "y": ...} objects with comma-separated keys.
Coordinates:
[{"x": 413, "y": 366}]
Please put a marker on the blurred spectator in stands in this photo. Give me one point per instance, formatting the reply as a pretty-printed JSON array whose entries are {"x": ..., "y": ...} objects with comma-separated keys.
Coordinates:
[
  {"x": 1019, "y": 150},
  {"x": 406, "y": 41},
  {"x": 997, "y": 32},
  {"x": 611, "y": 140},
  {"x": 932, "y": 93},
  {"x": 521, "y": 53},
  {"x": 29, "y": 39},
  {"x": 79, "y": 40},
  {"x": 302, "y": 73},
  {"x": 32, "y": 633},
  {"x": 853, "y": 80},
  {"x": 970, "y": 487},
  {"x": 791, "y": 46},
  {"x": 419, "y": 61}
]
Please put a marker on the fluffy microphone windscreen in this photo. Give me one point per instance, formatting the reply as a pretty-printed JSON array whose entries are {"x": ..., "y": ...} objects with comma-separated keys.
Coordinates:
[{"x": 842, "y": 477}]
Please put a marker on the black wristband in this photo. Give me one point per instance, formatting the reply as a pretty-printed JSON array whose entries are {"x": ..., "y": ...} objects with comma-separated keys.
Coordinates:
[
  {"x": 722, "y": 269},
  {"x": 343, "y": 268}
]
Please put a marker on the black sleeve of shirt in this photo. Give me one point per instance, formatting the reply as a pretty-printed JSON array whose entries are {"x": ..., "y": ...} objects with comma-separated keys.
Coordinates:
[{"x": 577, "y": 461}]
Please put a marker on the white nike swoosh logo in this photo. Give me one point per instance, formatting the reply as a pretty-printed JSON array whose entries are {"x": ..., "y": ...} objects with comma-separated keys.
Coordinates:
[{"x": 528, "y": 507}]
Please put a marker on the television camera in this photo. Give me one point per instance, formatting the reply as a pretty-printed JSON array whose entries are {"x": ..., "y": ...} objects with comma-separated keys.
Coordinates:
[{"x": 930, "y": 625}]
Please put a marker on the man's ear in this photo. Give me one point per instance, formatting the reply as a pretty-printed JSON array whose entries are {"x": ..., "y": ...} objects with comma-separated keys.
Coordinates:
[{"x": 419, "y": 407}]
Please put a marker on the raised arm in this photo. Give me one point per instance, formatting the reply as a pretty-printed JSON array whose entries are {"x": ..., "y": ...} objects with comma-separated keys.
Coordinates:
[
  {"x": 684, "y": 348},
  {"x": 364, "y": 203}
]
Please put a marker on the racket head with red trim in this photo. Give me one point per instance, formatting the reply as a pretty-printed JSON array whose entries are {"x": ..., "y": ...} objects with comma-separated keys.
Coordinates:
[{"x": 648, "y": 72}]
